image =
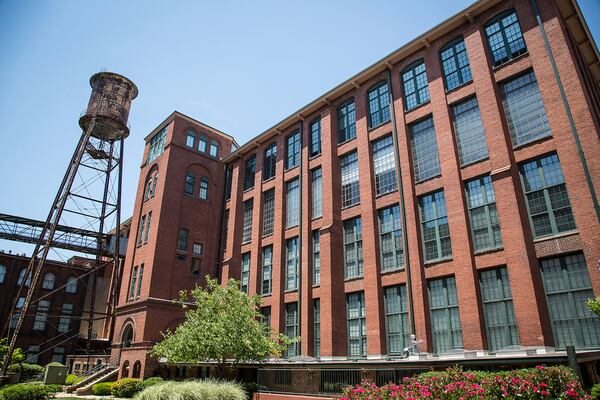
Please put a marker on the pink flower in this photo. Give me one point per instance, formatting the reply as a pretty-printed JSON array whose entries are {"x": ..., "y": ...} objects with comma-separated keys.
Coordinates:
[{"x": 539, "y": 366}]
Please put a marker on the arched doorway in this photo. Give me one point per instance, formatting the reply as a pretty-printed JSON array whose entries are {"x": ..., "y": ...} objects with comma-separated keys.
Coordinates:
[
  {"x": 137, "y": 369},
  {"x": 127, "y": 336},
  {"x": 125, "y": 370}
]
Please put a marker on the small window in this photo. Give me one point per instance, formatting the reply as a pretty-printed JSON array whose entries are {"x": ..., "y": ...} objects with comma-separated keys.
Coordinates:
[
  {"x": 250, "y": 172},
  {"x": 148, "y": 222},
  {"x": 379, "y": 104},
  {"x": 15, "y": 316},
  {"x": 228, "y": 182},
  {"x": 315, "y": 138},
  {"x": 455, "y": 64},
  {"x": 41, "y": 316},
  {"x": 197, "y": 249},
  {"x": 504, "y": 37},
  {"x": 293, "y": 150},
  {"x": 270, "y": 161},
  {"x": 190, "y": 140},
  {"x": 64, "y": 323},
  {"x": 214, "y": 149},
  {"x": 2, "y": 273},
  {"x": 202, "y": 144},
  {"x": 190, "y": 181},
  {"x": 140, "y": 238},
  {"x": 49, "y": 280},
  {"x": 245, "y": 278},
  {"x": 22, "y": 276},
  {"x": 157, "y": 145},
  {"x": 203, "y": 194},
  {"x": 346, "y": 114},
  {"x": 196, "y": 266},
  {"x": 71, "y": 285},
  {"x": 414, "y": 81},
  {"x": 182, "y": 240}
]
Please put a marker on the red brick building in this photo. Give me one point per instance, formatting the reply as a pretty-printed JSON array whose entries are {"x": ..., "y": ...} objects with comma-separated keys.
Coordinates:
[{"x": 449, "y": 191}]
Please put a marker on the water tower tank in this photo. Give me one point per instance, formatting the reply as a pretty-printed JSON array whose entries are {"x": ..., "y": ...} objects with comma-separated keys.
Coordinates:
[{"x": 108, "y": 108}]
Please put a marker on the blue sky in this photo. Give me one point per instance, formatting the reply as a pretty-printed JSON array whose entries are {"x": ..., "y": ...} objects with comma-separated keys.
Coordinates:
[{"x": 238, "y": 66}]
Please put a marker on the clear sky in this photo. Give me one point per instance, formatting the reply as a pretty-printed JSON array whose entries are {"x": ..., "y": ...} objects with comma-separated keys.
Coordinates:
[{"x": 239, "y": 66}]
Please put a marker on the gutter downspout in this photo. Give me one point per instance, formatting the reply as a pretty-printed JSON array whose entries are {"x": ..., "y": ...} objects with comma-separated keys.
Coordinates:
[
  {"x": 221, "y": 229},
  {"x": 580, "y": 152},
  {"x": 413, "y": 329},
  {"x": 300, "y": 237}
]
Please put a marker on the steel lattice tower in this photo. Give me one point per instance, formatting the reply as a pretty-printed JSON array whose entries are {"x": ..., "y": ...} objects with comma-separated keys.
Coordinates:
[{"x": 89, "y": 196}]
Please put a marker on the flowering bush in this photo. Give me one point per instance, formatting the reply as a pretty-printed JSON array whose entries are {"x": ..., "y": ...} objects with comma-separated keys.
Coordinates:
[{"x": 456, "y": 384}]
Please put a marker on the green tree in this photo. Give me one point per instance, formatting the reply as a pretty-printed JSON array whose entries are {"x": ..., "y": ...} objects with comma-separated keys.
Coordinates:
[
  {"x": 594, "y": 305},
  {"x": 222, "y": 324},
  {"x": 17, "y": 356}
]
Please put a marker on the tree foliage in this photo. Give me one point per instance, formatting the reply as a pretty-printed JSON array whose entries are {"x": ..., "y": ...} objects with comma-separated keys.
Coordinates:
[
  {"x": 17, "y": 356},
  {"x": 594, "y": 305},
  {"x": 222, "y": 324}
]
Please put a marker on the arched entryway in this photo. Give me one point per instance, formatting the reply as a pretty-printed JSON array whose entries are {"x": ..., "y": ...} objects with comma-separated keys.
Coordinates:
[
  {"x": 125, "y": 370},
  {"x": 127, "y": 336},
  {"x": 137, "y": 369}
]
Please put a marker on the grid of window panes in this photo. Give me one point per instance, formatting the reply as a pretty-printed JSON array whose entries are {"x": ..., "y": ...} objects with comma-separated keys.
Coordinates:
[
  {"x": 316, "y": 257},
  {"x": 390, "y": 239},
  {"x": 317, "y": 328},
  {"x": 266, "y": 318},
  {"x": 414, "y": 81},
  {"x": 291, "y": 328},
  {"x": 182, "y": 239},
  {"x": 357, "y": 325},
  {"x": 315, "y": 138},
  {"x": 190, "y": 180},
  {"x": 292, "y": 203},
  {"x": 138, "y": 290},
  {"x": 423, "y": 145},
  {"x": 245, "y": 279},
  {"x": 349, "y": 179},
  {"x": 346, "y": 122},
  {"x": 157, "y": 145},
  {"x": 48, "y": 281},
  {"x": 291, "y": 264},
  {"x": 140, "y": 239},
  {"x": 434, "y": 227},
  {"x": 456, "y": 64},
  {"x": 567, "y": 286},
  {"x": 505, "y": 38},
  {"x": 267, "y": 270},
  {"x": 316, "y": 180},
  {"x": 293, "y": 150},
  {"x": 379, "y": 105},
  {"x": 546, "y": 196},
  {"x": 483, "y": 215},
  {"x": 15, "y": 315},
  {"x": 270, "y": 162},
  {"x": 202, "y": 144},
  {"x": 396, "y": 318},
  {"x": 64, "y": 323},
  {"x": 524, "y": 109},
  {"x": 384, "y": 165},
  {"x": 148, "y": 223},
  {"x": 203, "y": 193},
  {"x": 498, "y": 310},
  {"x": 41, "y": 316},
  {"x": 470, "y": 136},
  {"x": 268, "y": 212},
  {"x": 250, "y": 172},
  {"x": 353, "y": 254},
  {"x": 133, "y": 284},
  {"x": 445, "y": 318},
  {"x": 71, "y": 285},
  {"x": 214, "y": 148},
  {"x": 189, "y": 140},
  {"x": 58, "y": 354},
  {"x": 247, "y": 224}
]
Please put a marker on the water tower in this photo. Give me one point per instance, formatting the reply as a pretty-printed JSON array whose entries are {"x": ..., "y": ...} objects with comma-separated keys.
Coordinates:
[{"x": 89, "y": 195}]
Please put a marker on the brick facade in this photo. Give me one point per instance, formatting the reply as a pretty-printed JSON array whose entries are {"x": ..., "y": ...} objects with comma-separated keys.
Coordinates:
[{"x": 520, "y": 253}]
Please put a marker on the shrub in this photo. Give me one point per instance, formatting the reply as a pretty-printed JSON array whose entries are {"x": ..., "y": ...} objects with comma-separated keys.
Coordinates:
[
  {"x": 126, "y": 387},
  {"x": 28, "y": 391},
  {"x": 194, "y": 390},
  {"x": 596, "y": 391},
  {"x": 102, "y": 389},
  {"x": 454, "y": 383},
  {"x": 151, "y": 382},
  {"x": 28, "y": 371}
]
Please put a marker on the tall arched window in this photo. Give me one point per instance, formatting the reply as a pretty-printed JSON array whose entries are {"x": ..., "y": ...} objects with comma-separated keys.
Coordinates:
[
  {"x": 190, "y": 180},
  {"x": 379, "y": 104},
  {"x": 2, "y": 273},
  {"x": 22, "y": 276},
  {"x": 125, "y": 370},
  {"x": 204, "y": 188},
  {"x": 127, "y": 336},
  {"x": 137, "y": 369},
  {"x": 214, "y": 149},
  {"x": 48, "y": 282},
  {"x": 71, "y": 285},
  {"x": 202, "y": 144}
]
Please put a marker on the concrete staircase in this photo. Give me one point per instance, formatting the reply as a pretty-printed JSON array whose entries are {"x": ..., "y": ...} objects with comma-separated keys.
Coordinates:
[{"x": 101, "y": 374}]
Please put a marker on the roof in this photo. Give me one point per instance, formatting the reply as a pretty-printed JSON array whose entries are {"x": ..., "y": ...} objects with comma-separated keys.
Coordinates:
[{"x": 569, "y": 10}]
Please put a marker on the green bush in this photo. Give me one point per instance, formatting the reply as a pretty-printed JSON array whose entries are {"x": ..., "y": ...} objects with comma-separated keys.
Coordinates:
[
  {"x": 102, "y": 389},
  {"x": 28, "y": 391},
  {"x": 73, "y": 379},
  {"x": 596, "y": 391},
  {"x": 151, "y": 382},
  {"x": 28, "y": 371},
  {"x": 194, "y": 390},
  {"x": 126, "y": 387}
]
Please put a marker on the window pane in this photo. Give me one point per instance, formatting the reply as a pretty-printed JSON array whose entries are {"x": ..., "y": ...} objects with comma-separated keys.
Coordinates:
[
  {"x": 445, "y": 319},
  {"x": 379, "y": 105},
  {"x": 247, "y": 226},
  {"x": 455, "y": 64},
  {"x": 356, "y": 316},
  {"x": 396, "y": 319},
  {"x": 414, "y": 82},
  {"x": 291, "y": 327},
  {"x": 384, "y": 166},
  {"x": 434, "y": 227},
  {"x": 291, "y": 261},
  {"x": 346, "y": 122},
  {"x": 270, "y": 162},
  {"x": 245, "y": 278},
  {"x": 250, "y": 172},
  {"x": 483, "y": 216},
  {"x": 267, "y": 270},
  {"x": 470, "y": 136},
  {"x": 268, "y": 212},
  {"x": 315, "y": 138},
  {"x": 293, "y": 150},
  {"x": 317, "y": 193},
  {"x": 504, "y": 38},
  {"x": 292, "y": 203},
  {"x": 424, "y": 150},
  {"x": 353, "y": 258},
  {"x": 390, "y": 239},
  {"x": 349, "y": 179},
  {"x": 316, "y": 257}
]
